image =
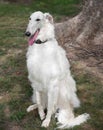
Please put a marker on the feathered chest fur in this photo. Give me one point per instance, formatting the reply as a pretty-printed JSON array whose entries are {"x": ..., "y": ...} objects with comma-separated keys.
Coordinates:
[{"x": 43, "y": 62}]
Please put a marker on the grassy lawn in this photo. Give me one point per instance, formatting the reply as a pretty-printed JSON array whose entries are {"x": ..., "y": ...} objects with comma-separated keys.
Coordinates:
[{"x": 15, "y": 90}]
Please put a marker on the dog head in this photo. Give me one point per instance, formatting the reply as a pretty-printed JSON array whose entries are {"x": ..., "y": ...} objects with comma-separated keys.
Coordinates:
[{"x": 37, "y": 21}]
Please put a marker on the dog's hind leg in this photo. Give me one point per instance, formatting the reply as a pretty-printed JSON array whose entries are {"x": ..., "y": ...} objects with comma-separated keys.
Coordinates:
[
  {"x": 52, "y": 102},
  {"x": 34, "y": 96},
  {"x": 32, "y": 107}
]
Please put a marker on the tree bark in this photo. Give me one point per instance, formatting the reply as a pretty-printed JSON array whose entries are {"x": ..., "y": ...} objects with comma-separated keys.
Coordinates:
[{"x": 82, "y": 37}]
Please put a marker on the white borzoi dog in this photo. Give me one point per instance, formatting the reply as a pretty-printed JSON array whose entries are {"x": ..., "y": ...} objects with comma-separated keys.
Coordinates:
[{"x": 49, "y": 74}]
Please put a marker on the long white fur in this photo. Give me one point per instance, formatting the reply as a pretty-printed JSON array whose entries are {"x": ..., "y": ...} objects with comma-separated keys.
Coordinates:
[{"x": 50, "y": 76}]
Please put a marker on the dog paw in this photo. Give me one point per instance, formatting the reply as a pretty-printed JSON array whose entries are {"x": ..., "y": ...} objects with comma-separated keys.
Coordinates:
[
  {"x": 32, "y": 107},
  {"x": 45, "y": 123},
  {"x": 42, "y": 115}
]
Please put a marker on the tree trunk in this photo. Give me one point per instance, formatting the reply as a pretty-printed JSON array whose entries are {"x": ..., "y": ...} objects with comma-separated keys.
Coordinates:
[{"x": 82, "y": 37}]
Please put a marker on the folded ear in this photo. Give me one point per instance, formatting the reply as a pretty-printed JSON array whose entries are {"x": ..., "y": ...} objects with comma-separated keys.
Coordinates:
[{"x": 48, "y": 17}]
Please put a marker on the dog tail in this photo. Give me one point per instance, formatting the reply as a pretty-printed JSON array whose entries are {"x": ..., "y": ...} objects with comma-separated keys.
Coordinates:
[{"x": 65, "y": 123}]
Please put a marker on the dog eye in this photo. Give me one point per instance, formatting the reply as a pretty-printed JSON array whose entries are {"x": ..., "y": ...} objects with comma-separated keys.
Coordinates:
[
  {"x": 29, "y": 18},
  {"x": 37, "y": 19}
]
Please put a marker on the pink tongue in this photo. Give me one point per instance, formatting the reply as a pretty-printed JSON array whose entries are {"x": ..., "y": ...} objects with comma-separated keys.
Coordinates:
[{"x": 33, "y": 38}]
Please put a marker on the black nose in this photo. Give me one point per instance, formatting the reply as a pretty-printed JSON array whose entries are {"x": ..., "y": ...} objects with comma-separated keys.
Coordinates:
[{"x": 27, "y": 34}]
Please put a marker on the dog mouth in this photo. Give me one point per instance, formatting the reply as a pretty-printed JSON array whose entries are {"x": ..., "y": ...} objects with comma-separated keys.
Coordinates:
[{"x": 32, "y": 38}]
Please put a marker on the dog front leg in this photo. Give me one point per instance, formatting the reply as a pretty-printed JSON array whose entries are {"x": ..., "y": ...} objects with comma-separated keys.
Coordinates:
[
  {"x": 40, "y": 107},
  {"x": 52, "y": 102}
]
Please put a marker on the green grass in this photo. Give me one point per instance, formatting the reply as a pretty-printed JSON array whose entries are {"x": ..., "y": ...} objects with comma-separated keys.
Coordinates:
[
  {"x": 15, "y": 90},
  {"x": 57, "y": 7}
]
